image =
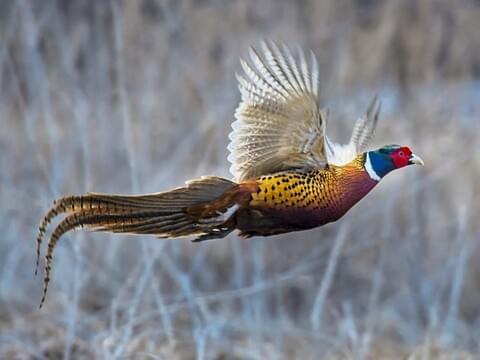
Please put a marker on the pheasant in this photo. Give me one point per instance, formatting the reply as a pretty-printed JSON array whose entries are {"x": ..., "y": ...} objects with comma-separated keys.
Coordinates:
[{"x": 288, "y": 175}]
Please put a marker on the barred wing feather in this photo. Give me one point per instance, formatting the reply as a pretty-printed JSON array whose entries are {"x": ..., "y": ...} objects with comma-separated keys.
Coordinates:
[
  {"x": 364, "y": 128},
  {"x": 279, "y": 124}
]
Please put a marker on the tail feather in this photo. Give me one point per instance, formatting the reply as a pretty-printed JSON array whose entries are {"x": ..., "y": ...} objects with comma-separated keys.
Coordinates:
[{"x": 198, "y": 209}]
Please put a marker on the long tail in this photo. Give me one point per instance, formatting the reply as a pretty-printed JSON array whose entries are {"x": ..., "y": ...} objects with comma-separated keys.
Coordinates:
[{"x": 202, "y": 209}]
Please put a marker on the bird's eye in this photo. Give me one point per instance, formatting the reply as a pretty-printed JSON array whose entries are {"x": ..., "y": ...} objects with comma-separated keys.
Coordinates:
[{"x": 401, "y": 154}]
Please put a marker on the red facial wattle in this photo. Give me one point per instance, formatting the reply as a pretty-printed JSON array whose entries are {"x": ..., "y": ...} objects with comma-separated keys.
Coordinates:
[{"x": 401, "y": 156}]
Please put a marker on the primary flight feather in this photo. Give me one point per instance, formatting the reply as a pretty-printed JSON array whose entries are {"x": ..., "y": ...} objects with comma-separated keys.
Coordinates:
[{"x": 288, "y": 175}]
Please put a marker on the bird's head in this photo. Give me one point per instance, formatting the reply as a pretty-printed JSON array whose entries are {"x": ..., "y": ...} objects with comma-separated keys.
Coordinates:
[{"x": 379, "y": 163}]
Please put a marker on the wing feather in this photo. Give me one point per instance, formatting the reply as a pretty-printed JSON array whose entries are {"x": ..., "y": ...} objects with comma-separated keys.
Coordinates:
[
  {"x": 279, "y": 124},
  {"x": 290, "y": 61},
  {"x": 364, "y": 128},
  {"x": 274, "y": 64},
  {"x": 269, "y": 76},
  {"x": 286, "y": 68},
  {"x": 305, "y": 72},
  {"x": 314, "y": 77}
]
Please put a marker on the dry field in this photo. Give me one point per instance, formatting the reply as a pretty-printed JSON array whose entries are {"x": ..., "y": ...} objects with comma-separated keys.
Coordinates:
[{"x": 138, "y": 96}]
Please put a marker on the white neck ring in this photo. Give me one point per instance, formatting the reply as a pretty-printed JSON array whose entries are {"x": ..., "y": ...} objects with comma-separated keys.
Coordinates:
[{"x": 370, "y": 171}]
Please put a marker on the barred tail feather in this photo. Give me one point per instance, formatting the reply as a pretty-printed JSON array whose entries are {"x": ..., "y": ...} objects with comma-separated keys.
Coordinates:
[{"x": 201, "y": 209}]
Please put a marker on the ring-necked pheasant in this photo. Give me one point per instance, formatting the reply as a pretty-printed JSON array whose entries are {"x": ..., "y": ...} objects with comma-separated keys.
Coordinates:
[{"x": 288, "y": 175}]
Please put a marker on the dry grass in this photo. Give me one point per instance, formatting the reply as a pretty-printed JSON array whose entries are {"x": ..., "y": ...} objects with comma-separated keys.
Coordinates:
[{"x": 139, "y": 97}]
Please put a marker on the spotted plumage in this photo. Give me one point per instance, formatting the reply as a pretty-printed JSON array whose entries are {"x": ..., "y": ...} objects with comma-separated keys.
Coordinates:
[
  {"x": 288, "y": 174},
  {"x": 298, "y": 200}
]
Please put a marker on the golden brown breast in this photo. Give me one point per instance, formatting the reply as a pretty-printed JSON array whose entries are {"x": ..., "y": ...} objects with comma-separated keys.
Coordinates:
[{"x": 299, "y": 200}]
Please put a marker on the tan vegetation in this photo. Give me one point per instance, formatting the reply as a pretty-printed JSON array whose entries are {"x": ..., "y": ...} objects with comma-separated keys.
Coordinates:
[{"x": 138, "y": 96}]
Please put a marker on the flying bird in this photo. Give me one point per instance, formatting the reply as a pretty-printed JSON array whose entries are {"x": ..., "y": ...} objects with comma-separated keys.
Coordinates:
[{"x": 288, "y": 175}]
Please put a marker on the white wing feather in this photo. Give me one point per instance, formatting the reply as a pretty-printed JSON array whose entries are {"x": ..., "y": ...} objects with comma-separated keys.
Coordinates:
[
  {"x": 279, "y": 124},
  {"x": 364, "y": 128}
]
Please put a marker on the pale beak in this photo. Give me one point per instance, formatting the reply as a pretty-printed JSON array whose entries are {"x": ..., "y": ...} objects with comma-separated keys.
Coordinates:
[{"x": 414, "y": 159}]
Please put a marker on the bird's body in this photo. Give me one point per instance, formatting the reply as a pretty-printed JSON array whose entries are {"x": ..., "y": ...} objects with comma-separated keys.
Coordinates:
[
  {"x": 299, "y": 200},
  {"x": 288, "y": 175}
]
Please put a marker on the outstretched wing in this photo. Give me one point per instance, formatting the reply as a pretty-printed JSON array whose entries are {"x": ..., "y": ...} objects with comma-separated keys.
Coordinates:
[
  {"x": 364, "y": 129},
  {"x": 279, "y": 124},
  {"x": 363, "y": 132}
]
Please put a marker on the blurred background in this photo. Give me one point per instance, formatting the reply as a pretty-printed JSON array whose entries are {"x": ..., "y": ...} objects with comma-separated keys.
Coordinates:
[{"x": 138, "y": 96}]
